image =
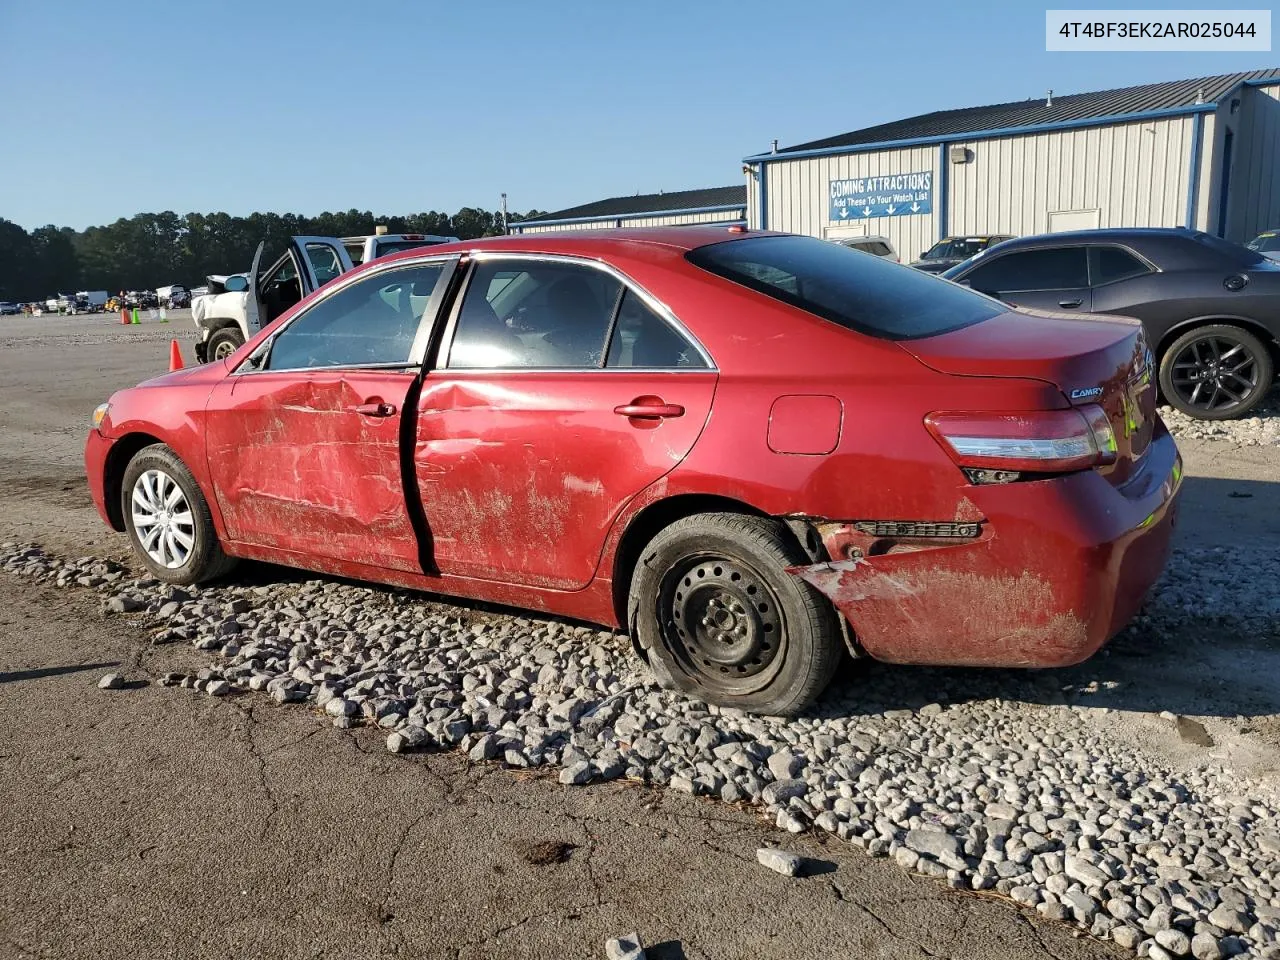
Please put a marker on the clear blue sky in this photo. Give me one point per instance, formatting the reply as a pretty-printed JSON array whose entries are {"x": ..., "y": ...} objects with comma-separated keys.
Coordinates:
[{"x": 113, "y": 108}]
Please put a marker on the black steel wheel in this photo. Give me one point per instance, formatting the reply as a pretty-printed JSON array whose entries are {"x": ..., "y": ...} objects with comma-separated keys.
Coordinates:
[
  {"x": 723, "y": 622},
  {"x": 716, "y": 614},
  {"x": 1215, "y": 372}
]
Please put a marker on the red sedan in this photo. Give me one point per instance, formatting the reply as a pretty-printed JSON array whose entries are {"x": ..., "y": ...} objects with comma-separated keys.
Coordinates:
[{"x": 751, "y": 450}]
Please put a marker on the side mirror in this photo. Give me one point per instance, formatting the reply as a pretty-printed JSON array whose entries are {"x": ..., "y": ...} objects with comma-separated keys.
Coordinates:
[
  {"x": 924, "y": 254},
  {"x": 236, "y": 284}
]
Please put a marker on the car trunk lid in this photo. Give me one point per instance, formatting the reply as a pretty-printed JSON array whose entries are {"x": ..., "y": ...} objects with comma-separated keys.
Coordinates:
[{"x": 1092, "y": 360}]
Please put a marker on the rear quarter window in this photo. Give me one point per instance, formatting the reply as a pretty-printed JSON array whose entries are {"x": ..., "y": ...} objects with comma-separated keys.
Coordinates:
[{"x": 870, "y": 295}]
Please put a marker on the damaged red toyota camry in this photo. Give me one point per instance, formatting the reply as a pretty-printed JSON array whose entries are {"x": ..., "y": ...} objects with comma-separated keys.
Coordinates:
[{"x": 753, "y": 451}]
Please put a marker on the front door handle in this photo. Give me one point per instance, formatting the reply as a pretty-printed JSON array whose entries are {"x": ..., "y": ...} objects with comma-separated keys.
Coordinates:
[
  {"x": 1070, "y": 303},
  {"x": 374, "y": 408},
  {"x": 649, "y": 408}
]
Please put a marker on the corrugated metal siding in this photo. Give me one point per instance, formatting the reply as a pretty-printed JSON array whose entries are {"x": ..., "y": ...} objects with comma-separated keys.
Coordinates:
[
  {"x": 686, "y": 220},
  {"x": 590, "y": 225},
  {"x": 1134, "y": 174},
  {"x": 1255, "y": 171},
  {"x": 1209, "y": 148},
  {"x": 679, "y": 220},
  {"x": 753, "y": 198},
  {"x": 798, "y": 194}
]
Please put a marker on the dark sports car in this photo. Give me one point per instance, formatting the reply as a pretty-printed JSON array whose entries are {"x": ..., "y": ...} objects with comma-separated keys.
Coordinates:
[{"x": 1211, "y": 308}]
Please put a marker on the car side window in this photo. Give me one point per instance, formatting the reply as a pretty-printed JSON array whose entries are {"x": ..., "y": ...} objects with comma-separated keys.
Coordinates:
[
  {"x": 373, "y": 321},
  {"x": 324, "y": 262},
  {"x": 1110, "y": 264},
  {"x": 643, "y": 339},
  {"x": 1061, "y": 268},
  {"x": 520, "y": 314}
]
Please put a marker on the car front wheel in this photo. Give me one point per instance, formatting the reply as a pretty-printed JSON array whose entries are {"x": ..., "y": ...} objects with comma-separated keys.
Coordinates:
[
  {"x": 1216, "y": 372},
  {"x": 718, "y": 616},
  {"x": 167, "y": 519},
  {"x": 224, "y": 343}
]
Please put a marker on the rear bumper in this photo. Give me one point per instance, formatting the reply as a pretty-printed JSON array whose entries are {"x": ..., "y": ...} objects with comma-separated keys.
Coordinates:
[
  {"x": 1059, "y": 568},
  {"x": 96, "y": 449}
]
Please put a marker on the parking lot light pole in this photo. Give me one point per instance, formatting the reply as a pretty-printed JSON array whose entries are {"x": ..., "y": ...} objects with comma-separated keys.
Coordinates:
[{"x": 505, "y": 228}]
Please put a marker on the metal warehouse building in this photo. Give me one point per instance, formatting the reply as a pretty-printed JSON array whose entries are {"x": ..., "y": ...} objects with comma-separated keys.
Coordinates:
[
  {"x": 1202, "y": 153},
  {"x": 727, "y": 205}
]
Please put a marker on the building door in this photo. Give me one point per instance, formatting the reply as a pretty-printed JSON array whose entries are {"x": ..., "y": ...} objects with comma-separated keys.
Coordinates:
[
  {"x": 844, "y": 231},
  {"x": 1224, "y": 194},
  {"x": 1063, "y": 220}
]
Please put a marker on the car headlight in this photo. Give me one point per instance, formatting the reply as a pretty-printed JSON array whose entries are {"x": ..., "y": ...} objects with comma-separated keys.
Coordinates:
[{"x": 100, "y": 414}]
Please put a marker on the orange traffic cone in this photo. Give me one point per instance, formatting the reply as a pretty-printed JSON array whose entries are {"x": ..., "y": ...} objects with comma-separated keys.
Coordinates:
[
  {"x": 175, "y": 356},
  {"x": 124, "y": 315}
]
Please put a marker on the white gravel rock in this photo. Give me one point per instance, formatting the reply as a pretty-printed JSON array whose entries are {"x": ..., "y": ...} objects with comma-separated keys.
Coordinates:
[
  {"x": 1261, "y": 428},
  {"x": 626, "y": 947},
  {"x": 1015, "y": 791},
  {"x": 779, "y": 861}
]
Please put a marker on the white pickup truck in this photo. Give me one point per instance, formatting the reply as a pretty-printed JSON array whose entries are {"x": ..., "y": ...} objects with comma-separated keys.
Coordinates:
[{"x": 240, "y": 305}]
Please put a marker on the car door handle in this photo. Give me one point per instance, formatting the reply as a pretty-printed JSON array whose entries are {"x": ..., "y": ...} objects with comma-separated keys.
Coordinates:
[
  {"x": 374, "y": 408},
  {"x": 649, "y": 411},
  {"x": 1070, "y": 303}
]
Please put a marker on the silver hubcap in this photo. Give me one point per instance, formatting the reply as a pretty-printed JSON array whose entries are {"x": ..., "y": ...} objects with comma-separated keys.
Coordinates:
[
  {"x": 223, "y": 350},
  {"x": 162, "y": 519}
]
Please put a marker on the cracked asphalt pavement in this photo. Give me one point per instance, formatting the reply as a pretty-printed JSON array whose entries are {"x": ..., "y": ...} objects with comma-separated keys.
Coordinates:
[{"x": 150, "y": 821}]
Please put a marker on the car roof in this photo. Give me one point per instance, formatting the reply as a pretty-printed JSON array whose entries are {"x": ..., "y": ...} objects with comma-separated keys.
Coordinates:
[
  {"x": 592, "y": 243},
  {"x": 1103, "y": 235}
]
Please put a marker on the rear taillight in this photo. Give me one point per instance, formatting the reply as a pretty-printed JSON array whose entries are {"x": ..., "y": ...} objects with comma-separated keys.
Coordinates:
[{"x": 1043, "y": 441}]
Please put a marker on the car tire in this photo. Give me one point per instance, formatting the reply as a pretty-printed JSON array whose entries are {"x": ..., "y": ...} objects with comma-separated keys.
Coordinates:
[
  {"x": 167, "y": 519},
  {"x": 225, "y": 342},
  {"x": 1194, "y": 354},
  {"x": 715, "y": 613}
]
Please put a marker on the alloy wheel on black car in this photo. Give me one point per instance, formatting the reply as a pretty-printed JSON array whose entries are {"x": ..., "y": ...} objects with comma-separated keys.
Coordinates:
[{"x": 1216, "y": 372}]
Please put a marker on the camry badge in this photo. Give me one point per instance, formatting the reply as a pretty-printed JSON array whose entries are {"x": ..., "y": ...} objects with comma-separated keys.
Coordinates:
[{"x": 1083, "y": 393}]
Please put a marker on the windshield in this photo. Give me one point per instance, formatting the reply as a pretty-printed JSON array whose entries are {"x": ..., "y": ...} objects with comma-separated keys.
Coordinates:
[
  {"x": 397, "y": 246},
  {"x": 868, "y": 294},
  {"x": 957, "y": 248},
  {"x": 1266, "y": 243},
  {"x": 1236, "y": 253}
]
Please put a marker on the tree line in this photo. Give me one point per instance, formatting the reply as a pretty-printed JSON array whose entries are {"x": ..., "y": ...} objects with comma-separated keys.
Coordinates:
[{"x": 151, "y": 249}]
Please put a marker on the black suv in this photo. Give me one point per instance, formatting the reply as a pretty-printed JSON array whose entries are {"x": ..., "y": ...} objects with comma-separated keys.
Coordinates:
[{"x": 1211, "y": 308}]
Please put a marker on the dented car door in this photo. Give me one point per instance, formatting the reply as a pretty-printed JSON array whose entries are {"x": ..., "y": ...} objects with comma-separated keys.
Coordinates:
[
  {"x": 304, "y": 438},
  {"x": 560, "y": 394}
]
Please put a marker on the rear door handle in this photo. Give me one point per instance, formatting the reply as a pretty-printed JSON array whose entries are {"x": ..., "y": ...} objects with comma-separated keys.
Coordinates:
[
  {"x": 1070, "y": 303},
  {"x": 649, "y": 411},
  {"x": 374, "y": 408}
]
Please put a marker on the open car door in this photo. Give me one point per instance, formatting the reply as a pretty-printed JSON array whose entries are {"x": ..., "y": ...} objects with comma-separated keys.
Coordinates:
[
  {"x": 253, "y": 311},
  {"x": 306, "y": 265}
]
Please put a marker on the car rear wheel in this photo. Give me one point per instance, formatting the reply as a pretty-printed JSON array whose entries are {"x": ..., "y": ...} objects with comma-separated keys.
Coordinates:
[
  {"x": 167, "y": 519},
  {"x": 1216, "y": 372},
  {"x": 718, "y": 616},
  {"x": 224, "y": 343}
]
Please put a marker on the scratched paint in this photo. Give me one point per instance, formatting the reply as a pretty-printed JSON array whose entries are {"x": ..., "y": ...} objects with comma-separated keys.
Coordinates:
[
  {"x": 913, "y": 609},
  {"x": 522, "y": 481},
  {"x": 296, "y": 467}
]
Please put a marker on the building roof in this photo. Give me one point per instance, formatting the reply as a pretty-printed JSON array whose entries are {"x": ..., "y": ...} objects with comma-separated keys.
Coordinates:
[
  {"x": 644, "y": 203},
  {"x": 1168, "y": 95}
]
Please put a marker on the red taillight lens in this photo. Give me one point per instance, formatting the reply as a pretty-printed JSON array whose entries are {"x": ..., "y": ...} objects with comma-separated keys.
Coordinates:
[{"x": 1042, "y": 441}]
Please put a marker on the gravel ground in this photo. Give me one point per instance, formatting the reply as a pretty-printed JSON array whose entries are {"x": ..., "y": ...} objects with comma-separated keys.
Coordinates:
[
  {"x": 1026, "y": 799},
  {"x": 1261, "y": 429}
]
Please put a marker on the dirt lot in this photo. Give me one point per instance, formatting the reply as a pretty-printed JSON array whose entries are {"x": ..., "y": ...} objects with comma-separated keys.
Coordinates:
[{"x": 150, "y": 821}]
